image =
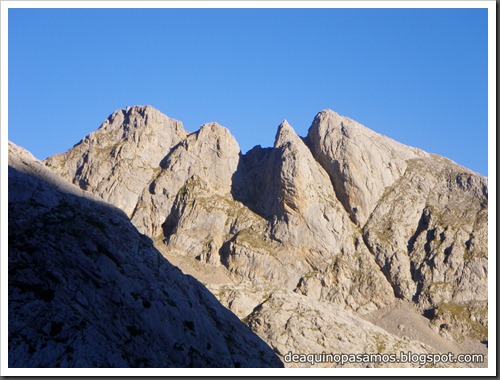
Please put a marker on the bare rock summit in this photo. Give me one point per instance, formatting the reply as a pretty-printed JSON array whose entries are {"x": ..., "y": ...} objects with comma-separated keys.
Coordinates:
[
  {"x": 360, "y": 162},
  {"x": 118, "y": 160}
]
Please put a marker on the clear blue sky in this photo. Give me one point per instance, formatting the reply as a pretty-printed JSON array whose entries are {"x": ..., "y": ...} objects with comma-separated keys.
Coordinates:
[{"x": 418, "y": 76}]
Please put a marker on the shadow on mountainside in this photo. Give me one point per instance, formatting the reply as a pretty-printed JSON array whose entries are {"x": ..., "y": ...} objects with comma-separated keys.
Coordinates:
[
  {"x": 254, "y": 179},
  {"x": 86, "y": 289}
]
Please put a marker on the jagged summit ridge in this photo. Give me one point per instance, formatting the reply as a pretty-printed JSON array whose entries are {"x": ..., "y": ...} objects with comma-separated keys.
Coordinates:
[
  {"x": 133, "y": 123},
  {"x": 344, "y": 215}
]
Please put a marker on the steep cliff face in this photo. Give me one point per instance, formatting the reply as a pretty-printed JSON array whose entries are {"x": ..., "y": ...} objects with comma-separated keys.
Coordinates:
[
  {"x": 360, "y": 162},
  {"x": 211, "y": 154},
  {"x": 297, "y": 197},
  {"x": 421, "y": 214},
  {"x": 343, "y": 216},
  {"x": 429, "y": 235},
  {"x": 86, "y": 289}
]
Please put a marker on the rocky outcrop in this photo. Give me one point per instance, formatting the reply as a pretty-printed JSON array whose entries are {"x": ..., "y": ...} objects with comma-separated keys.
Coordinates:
[
  {"x": 423, "y": 217},
  {"x": 119, "y": 159},
  {"x": 344, "y": 217},
  {"x": 211, "y": 154},
  {"x": 360, "y": 162},
  {"x": 429, "y": 234},
  {"x": 86, "y": 289},
  {"x": 308, "y": 219},
  {"x": 423, "y": 232},
  {"x": 294, "y": 324}
]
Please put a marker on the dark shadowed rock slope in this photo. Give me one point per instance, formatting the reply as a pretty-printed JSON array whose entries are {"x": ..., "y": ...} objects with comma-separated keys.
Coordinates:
[{"x": 86, "y": 289}]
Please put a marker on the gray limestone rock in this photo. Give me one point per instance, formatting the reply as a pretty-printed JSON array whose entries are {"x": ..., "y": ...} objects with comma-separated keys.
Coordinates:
[
  {"x": 360, "y": 162},
  {"x": 119, "y": 159},
  {"x": 429, "y": 233},
  {"x": 294, "y": 324},
  {"x": 310, "y": 222},
  {"x": 212, "y": 154}
]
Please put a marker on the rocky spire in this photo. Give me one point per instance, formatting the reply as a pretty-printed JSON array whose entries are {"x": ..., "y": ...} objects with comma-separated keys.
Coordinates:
[{"x": 285, "y": 134}]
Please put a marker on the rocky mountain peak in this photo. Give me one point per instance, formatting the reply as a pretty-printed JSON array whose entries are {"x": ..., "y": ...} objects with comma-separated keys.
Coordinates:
[
  {"x": 132, "y": 123},
  {"x": 360, "y": 162},
  {"x": 141, "y": 110},
  {"x": 211, "y": 154},
  {"x": 214, "y": 128},
  {"x": 285, "y": 134},
  {"x": 130, "y": 143},
  {"x": 215, "y": 136},
  {"x": 327, "y": 114}
]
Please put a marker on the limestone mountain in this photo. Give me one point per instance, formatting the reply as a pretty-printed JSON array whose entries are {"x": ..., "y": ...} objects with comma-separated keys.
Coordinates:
[{"x": 344, "y": 218}]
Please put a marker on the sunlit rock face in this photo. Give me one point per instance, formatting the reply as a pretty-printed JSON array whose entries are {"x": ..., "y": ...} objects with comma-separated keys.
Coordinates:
[{"x": 343, "y": 216}]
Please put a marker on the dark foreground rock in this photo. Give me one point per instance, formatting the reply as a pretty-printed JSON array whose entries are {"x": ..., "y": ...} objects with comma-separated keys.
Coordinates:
[{"x": 86, "y": 289}]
